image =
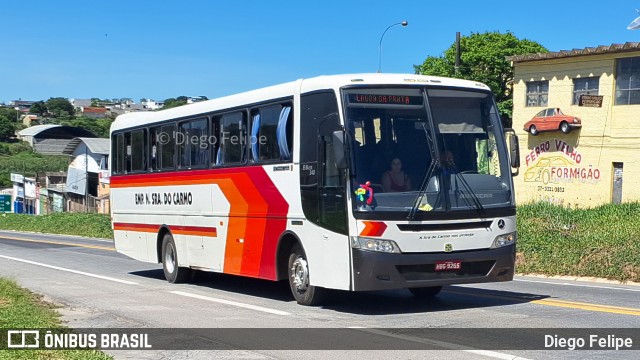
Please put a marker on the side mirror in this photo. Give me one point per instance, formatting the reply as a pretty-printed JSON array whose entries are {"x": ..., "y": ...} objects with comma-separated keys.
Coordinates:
[
  {"x": 514, "y": 149},
  {"x": 339, "y": 152}
]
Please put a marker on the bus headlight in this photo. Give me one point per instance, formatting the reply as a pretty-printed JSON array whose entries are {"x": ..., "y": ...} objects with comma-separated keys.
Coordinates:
[
  {"x": 379, "y": 245},
  {"x": 505, "y": 240}
]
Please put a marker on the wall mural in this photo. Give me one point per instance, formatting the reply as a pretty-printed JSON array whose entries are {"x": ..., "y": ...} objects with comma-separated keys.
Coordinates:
[
  {"x": 554, "y": 164},
  {"x": 552, "y": 119}
]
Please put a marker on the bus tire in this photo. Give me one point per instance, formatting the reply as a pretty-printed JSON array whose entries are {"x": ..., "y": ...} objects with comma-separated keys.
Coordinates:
[
  {"x": 298, "y": 274},
  {"x": 172, "y": 272},
  {"x": 426, "y": 292}
]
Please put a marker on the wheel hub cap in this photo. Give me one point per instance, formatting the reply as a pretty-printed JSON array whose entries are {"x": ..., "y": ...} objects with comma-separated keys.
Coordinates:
[
  {"x": 169, "y": 259},
  {"x": 300, "y": 275}
]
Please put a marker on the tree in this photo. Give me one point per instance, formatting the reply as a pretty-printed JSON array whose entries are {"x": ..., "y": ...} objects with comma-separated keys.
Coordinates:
[
  {"x": 9, "y": 113},
  {"x": 100, "y": 127},
  {"x": 174, "y": 102},
  {"x": 38, "y": 108},
  {"x": 483, "y": 58},
  {"x": 60, "y": 107},
  {"x": 7, "y": 128}
]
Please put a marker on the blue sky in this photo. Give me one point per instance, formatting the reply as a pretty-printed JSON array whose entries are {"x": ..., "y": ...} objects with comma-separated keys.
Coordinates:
[{"x": 160, "y": 49}]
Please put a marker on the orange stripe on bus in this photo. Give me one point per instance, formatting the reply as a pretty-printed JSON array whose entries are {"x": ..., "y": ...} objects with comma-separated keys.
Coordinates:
[
  {"x": 236, "y": 226},
  {"x": 255, "y": 232}
]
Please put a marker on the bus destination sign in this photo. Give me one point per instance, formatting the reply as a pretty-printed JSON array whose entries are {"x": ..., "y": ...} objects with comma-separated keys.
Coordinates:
[{"x": 381, "y": 99}]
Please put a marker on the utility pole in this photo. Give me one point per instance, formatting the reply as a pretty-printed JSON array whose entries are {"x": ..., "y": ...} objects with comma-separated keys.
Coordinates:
[
  {"x": 86, "y": 178},
  {"x": 457, "y": 66}
]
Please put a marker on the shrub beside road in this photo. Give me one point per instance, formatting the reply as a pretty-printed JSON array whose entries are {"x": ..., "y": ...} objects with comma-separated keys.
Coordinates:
[
  {"x": 90, "y": 225},
  {"x": 600, "y": 242}
]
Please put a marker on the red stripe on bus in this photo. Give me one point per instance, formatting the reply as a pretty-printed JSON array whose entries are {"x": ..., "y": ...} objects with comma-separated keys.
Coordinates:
[{"x": 175, "y": 229}]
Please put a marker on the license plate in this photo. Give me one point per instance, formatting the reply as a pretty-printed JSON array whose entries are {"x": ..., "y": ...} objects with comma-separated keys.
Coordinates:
[{"x": 448, "y": 265}]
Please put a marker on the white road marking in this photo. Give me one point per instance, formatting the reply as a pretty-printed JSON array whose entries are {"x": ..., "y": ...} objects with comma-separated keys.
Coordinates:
[
  {"x": 69, "y": 270},
  {"x": 232, "y": 303},
  {"x": 495, "y": 354},
  {"x": 444, "y": 344},
  {"x": 579, "y": 285}
]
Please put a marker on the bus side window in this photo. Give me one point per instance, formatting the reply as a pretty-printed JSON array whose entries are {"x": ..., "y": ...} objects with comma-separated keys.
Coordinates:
[
  {"x": 184, "y": 139},
  {"x": 200, "y": 146},
  {"x": 137, "y": 159},
  {"x": 127, "y": 146},
  {"x": 167, "y": 152},
  {"x": 153, "y": 149},
  {"x": 117, "y": 157},
  {"x": 285, "y": 132},
  {"x": 232, "y": 142},
  {"x": 270, "y": 140}
]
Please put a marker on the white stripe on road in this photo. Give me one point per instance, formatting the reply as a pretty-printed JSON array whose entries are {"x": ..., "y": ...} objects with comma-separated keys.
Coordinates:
[
  {"x": 444, "y": 344},
  {"x": 69, "y": 270},
  {"x": 495, "y": 354},
  {"x": 579, "y": 285},
  {"x": 232, "y": 303}
]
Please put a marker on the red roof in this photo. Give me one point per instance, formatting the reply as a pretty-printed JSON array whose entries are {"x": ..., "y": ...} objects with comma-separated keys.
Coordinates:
[{"x": 96, "y": 110}]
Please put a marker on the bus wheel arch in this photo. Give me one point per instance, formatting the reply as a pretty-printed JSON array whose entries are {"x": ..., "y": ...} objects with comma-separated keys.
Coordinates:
[
  {"x": 285, "y": 244},
  {"x": 164, "y": 229},
  {"x": 291, "y": 253}
]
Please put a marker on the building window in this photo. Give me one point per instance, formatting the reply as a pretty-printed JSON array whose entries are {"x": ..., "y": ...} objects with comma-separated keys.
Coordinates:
[
  {"x": 538, "y": 93},
  {"x": 628, "y": 81},
  {"x": 585, "y": 86}
]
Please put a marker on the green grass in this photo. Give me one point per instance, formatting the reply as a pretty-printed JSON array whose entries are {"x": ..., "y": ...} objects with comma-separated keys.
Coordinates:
[
  {"x": 601, "y": 242},
  {"x": 20, "y": 309},
  {"x": 91, "y": 225}
]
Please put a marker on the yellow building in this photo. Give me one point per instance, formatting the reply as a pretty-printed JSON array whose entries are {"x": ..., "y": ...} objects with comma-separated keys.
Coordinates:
[{"x": 598, "y": 91}]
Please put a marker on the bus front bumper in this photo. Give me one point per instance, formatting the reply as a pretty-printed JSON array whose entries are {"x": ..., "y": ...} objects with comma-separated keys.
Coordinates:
[{"x": 380, "y": 271}]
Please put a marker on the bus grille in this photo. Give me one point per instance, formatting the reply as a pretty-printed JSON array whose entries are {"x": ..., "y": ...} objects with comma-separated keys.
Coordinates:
[{"x": 428, "y": 272}]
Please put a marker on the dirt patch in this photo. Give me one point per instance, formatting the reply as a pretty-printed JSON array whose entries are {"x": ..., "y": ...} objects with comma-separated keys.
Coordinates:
[
  {"x": 4, "y": 302},
  {"x": 520, "y": 260},
  {"x": 602, "y": 257},
  {"x": 631, "y": 272}
]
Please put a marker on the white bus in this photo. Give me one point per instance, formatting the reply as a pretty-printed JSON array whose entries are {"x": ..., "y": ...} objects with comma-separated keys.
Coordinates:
[{"x": 350, "y": 182}]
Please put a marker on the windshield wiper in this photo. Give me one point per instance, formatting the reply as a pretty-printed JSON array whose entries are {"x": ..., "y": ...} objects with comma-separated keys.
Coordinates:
[
  {"x": 425, "y": 180},
  {"x": 476, "y": 202}
]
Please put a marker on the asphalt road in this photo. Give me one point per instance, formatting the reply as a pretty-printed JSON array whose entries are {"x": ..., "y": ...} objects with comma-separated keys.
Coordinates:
[{"x": 99, "y": 288}]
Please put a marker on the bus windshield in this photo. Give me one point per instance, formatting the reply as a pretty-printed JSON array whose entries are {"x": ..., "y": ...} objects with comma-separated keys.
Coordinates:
[{"x": 421, "y": 149}]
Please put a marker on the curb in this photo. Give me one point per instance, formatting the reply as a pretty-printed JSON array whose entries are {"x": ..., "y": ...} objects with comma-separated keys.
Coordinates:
[
  {"x": 55, "y": 235},
  {"x": 587, "y": 279}
]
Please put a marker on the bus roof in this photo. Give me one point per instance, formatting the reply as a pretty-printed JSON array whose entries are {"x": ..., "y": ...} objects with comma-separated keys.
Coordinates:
[{"x": 334, "y": 82}]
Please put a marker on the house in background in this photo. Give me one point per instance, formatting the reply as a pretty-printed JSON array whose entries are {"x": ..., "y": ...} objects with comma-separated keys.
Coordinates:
[
  {"x": 89, "y": 156},
  {"x": 597, "y": 88},
  {"x": 94, "y": 112},
  {"x": 78, "y": 104},
  {"x": 152, "y": 104}
]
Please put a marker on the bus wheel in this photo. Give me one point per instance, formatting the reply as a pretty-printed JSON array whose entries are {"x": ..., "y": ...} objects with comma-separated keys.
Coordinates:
[
  {"x": 172, "y": 272},
  {"x": 425, "y": 292},
  {"x": 298, "y": 272}
]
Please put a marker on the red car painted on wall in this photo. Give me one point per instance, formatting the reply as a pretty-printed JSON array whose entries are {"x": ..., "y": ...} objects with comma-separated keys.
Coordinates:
[{"x": 552, "y": 119}]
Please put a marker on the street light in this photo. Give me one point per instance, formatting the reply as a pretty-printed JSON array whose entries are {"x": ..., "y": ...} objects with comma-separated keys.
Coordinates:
[{"x": 404, "y": 23}]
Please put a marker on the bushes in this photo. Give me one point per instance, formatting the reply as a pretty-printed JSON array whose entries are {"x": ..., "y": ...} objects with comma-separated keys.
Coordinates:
[
  {"x": 91, "y": 225},
  {"x": 601, "y": 242}
]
